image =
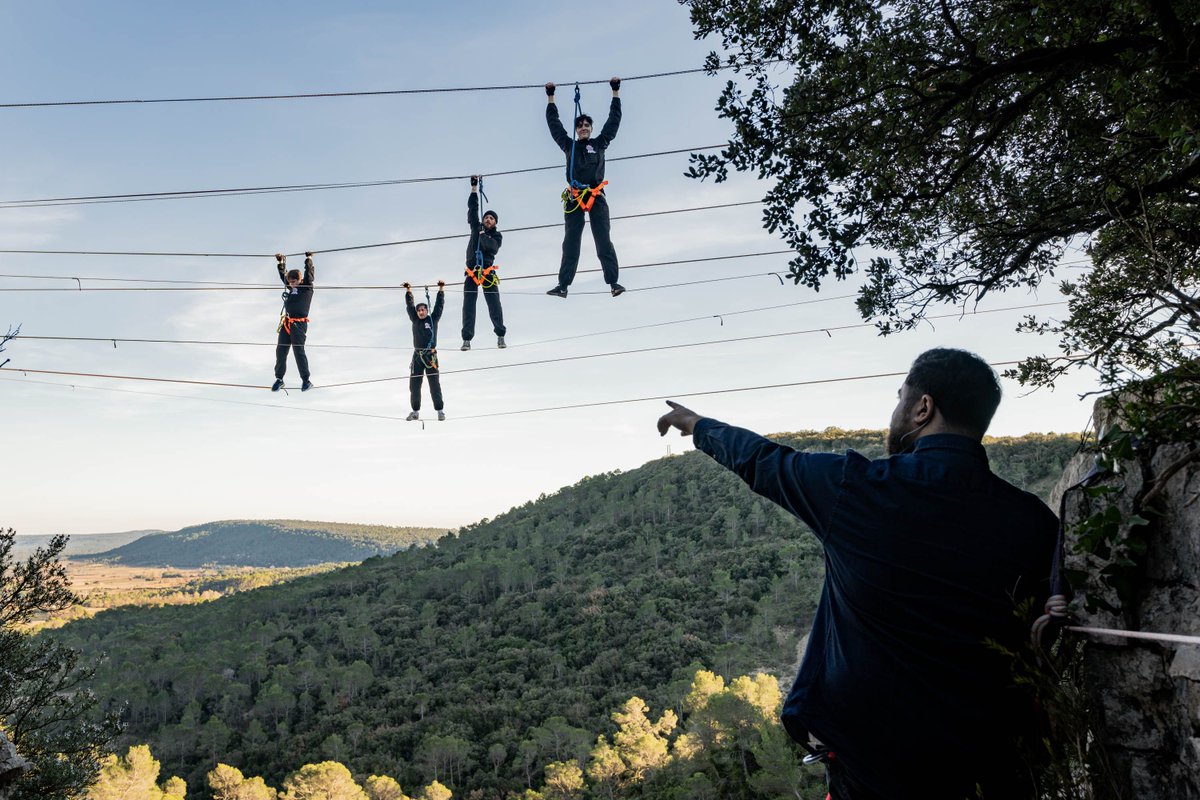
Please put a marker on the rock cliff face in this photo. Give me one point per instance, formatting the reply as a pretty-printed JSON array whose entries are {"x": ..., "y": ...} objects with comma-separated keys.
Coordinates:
[
  {"x": 11, "y": 766},
  {"x": 1147, "y": 694}
]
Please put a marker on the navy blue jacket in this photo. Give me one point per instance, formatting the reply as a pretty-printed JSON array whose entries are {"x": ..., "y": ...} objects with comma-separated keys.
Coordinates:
[
  {"x": 481, "y": 238},
  {"x": 927, "y": 556},
  {"x": 425, "y": 330},
  {"x": 296, "y": 302},
  {"x": 589, "y": 155}
]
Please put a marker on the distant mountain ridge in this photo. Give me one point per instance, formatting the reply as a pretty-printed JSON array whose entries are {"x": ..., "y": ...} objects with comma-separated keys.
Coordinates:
[
  {"x": 79, "y": 544},
  {"x": 265, "y": 543}
]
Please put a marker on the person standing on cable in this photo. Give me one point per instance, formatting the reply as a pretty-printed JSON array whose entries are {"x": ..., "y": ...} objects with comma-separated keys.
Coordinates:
[
  {"x": 424, "y": 360},
  {"x": 293, "y": 320},
  {"x": 481, "y": 270},
  {"x": 585, "y": 189}
]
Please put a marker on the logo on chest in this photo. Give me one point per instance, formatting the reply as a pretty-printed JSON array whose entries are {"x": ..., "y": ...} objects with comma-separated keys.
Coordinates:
[{"x": 591, "y": 149}]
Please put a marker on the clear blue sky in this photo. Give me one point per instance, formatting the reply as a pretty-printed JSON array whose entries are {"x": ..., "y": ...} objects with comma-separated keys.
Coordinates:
[{"x": 83, "y": 458}]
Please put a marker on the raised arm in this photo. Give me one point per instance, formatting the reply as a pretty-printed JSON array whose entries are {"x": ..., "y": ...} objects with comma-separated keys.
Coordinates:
[
  {"x": 310, "y": 270},
  {"x": 408, "y": 302},
  {"x": 554, "y": 123},
  {"x": 609, "y": 131},
  {"x": 281, "y": 263},
  {"x": 473, "y": 204},
  {"x": 440, "y": 302}
]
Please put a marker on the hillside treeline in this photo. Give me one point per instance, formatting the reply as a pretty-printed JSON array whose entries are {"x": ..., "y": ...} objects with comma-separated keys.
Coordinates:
[{"x": 500, "y": 651}]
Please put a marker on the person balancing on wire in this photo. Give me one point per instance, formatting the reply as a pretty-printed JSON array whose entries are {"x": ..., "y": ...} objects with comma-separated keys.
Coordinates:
[
  {"x": 424, "y": 360},
  {"x": 481, "y": 269},
  {"x": 293, "y": 319},
  {"x": 585, "y": 188}
]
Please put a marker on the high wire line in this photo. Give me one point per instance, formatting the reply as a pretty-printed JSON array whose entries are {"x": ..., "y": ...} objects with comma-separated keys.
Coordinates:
[
  {"x": 187, "y": 194},
  {"x": 196, "y": 285},
  {"x": 637, "y": 351},
  {"x": 555, "y": 340},
  {"x": 367, "y": 93},
  {"x": 350, "y": 248},
  {"x": 211, "y": 286},
  {"x": 544, "y": 409}
]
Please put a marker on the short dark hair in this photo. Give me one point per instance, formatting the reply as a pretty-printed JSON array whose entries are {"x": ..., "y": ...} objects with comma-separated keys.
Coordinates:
[
  {"x": 583, "y": 118},
  {"x": 963, "y": 387},
  {"x": 293, "y": 273}
]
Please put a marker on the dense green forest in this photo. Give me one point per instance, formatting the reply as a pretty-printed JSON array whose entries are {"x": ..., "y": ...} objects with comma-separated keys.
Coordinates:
[
  {"x": 265, "y": 543},
  {"x": 501, "y": 651}
]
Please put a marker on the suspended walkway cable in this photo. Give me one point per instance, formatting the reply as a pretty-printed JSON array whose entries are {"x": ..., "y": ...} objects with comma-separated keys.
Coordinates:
[
  {"x": 361, "y": 93},
  {"x": 352, "y": 248},
  {"x": 187, "y": 194},
  {"x": 828, "y": 330}
]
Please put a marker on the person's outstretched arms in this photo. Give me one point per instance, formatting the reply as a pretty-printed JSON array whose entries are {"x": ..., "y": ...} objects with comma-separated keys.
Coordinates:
[
  {"x": 310, "y": 270},
  {"x": 554, "y": 123},
  {"x": 609, "y": 131}
]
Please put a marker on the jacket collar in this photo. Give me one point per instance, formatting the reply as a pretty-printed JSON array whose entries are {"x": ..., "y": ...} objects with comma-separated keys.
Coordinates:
[{"x": 949, "y": 442}]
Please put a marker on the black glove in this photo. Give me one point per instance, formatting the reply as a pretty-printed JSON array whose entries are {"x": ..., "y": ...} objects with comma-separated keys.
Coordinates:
[
  {"x": 615, "y": 83},
  {"x": 474, "y": 180},
  {"x": 549, "y": 90}
]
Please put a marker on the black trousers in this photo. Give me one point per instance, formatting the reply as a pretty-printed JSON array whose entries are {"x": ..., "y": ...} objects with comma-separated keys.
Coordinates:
[
  {"x": 572, "y": 235},
  {"x": 416, "y": 372},
  {"x": 293, "y": 341},
  {"x": 471, "y": 299}
]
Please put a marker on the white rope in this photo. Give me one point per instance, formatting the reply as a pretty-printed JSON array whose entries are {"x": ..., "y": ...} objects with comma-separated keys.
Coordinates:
[{"x": 1158, "y": 637}]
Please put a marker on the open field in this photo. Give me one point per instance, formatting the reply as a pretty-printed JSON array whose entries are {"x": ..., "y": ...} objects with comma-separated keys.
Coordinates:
[{"x": 104, "y": 586}]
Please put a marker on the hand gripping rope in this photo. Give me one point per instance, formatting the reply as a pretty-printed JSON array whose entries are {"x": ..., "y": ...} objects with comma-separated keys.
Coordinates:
[
  {"x": 483, "y": 276},
  {"x": 577, "y": 197}
]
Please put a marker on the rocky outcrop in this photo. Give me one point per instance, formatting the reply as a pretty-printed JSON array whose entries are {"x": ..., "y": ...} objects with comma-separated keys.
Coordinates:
[
  {"x": 12, "y": 766},
  {"x": 1147, "y": 694}
]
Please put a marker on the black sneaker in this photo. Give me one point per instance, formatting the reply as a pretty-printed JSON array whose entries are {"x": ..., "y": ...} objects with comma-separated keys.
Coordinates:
[
  {"x": 441, "y": 416},
  {"x": 277, "y": 385},
  {"x": 413, "y": 415},
  {"x": 558, "y": 291},
  {"x": 500, "y": 342},
  {"x": 466, "y": 346},
  {"x": 617, "y": 290},
  {"x": 304, "y": 387}
]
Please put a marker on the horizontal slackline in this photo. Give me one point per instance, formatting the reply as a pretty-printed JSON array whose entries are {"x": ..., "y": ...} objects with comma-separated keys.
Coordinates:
[
  {"x": 828, "y": 330},
  {"x": 594, "y": 404},
  {"x": 198, "y": 286},
  {"x": 375, "y": 93},
  {"x": 165, "y": 254},
  {"x": 707, "y": 317},
  {"x": 185, "y": 194}
]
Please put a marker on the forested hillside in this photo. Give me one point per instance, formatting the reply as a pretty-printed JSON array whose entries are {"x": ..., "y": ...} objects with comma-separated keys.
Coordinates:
[
  {"x": 479, "y": 661},
  {"x": 266, "y": 543}
]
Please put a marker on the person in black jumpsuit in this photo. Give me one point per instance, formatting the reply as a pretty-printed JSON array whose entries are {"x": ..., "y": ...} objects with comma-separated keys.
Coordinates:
[
  {"x": 424, "y": 360},
  {"x": 589, "y": 171},
  {"x": 293, "y": 322},
  {"x": 485, "y": 241}
]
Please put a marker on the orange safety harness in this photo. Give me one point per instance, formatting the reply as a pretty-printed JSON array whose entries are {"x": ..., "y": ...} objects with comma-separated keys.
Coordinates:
[
  {"x": 483, "y": 275},
  {"x": 581, "y": 199},
  {"x": 285, "y": 323}
]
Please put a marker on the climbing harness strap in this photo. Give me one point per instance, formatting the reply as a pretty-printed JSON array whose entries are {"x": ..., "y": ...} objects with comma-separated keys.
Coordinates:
[
  {"x": 581, "y": 199},
  {"x": 484, "y": 276},
  {"x": 285, "y": 323},
  {"x": 428, "y": 356}
]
